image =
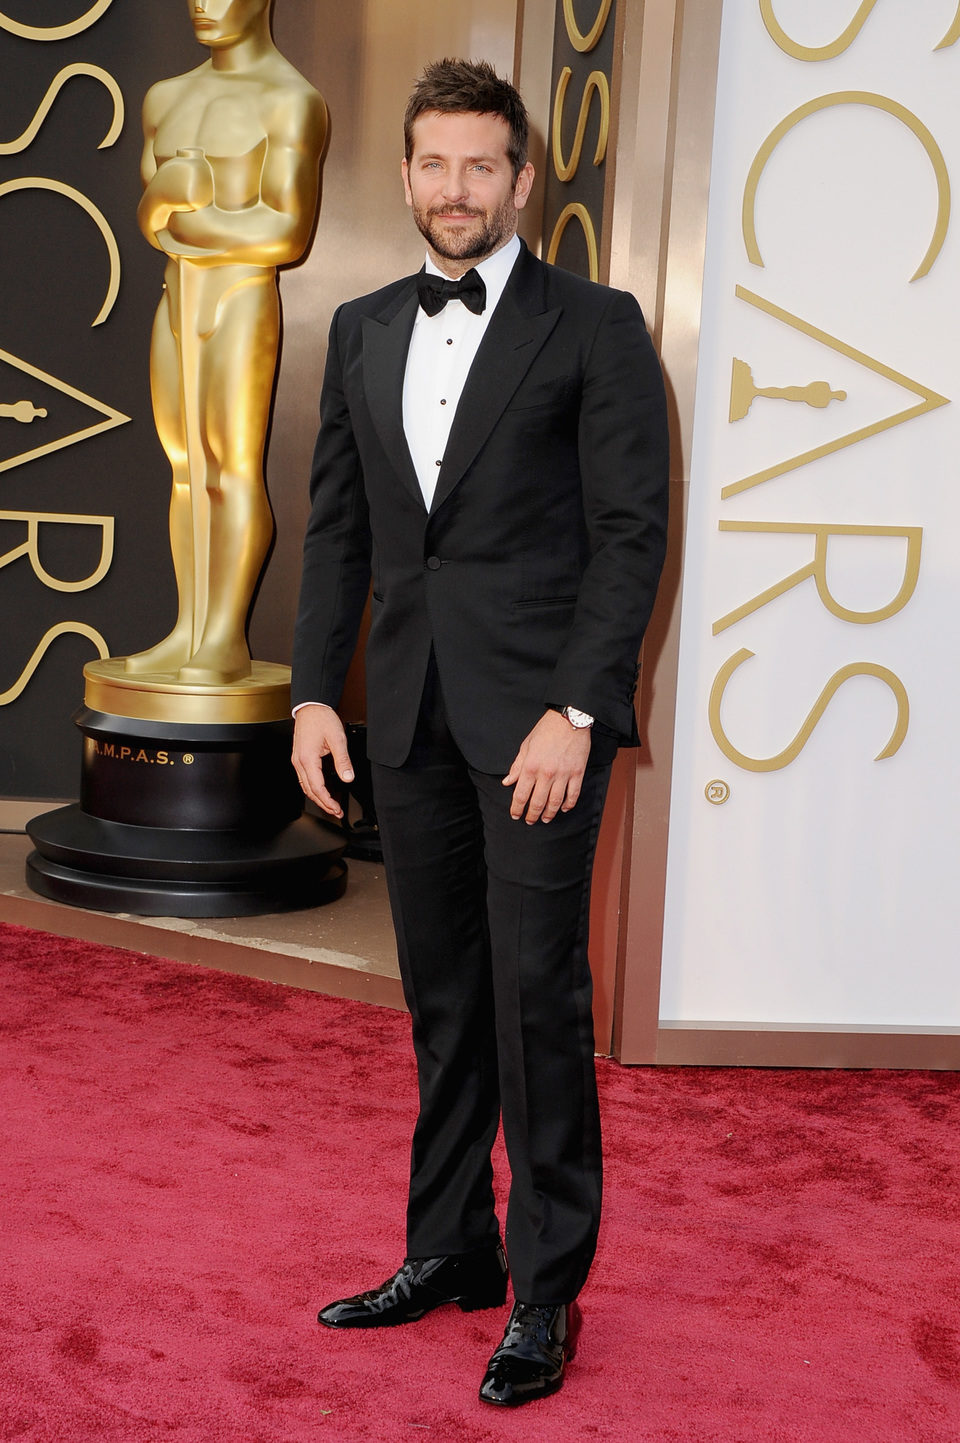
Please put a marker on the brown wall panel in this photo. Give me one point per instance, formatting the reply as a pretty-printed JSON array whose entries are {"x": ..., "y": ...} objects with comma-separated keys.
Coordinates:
[{"x": 363, "y": 57}]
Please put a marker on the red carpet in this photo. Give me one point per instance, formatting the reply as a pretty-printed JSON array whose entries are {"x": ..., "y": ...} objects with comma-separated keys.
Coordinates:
[{"x": 192, "y": 1162}]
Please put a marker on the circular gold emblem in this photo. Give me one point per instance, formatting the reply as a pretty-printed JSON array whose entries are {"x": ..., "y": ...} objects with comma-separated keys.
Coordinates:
[
  {"x": 188, "y": 759},
  {"x": 716, "y": 792}
]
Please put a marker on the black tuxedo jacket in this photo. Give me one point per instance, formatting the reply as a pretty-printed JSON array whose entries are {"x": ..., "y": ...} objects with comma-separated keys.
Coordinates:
[{"x": 533, "y": 574}]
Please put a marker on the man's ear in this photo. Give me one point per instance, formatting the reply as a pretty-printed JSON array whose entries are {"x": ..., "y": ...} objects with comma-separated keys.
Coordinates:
[
  {"x": 405, "y": 172},
  {"x": 523, "y": 187}
]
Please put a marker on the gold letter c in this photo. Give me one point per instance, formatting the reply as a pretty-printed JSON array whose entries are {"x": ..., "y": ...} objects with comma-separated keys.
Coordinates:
[
  {"x": 825, "y": 102},
  {"x": 56, "y": 32}
]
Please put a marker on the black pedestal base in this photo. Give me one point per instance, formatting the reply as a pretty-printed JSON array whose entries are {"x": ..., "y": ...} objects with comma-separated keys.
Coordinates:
[
  {"x": 185, "y": 821},
  {"x": 112, "y": 867}
]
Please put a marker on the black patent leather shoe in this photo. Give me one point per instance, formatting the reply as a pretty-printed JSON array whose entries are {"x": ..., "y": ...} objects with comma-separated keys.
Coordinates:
[
  {"x": 529, "y": 1363},
  {"x": 472, "y": 1280}
]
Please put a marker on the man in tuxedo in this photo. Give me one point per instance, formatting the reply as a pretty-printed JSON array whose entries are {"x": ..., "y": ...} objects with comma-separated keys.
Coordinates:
[{"x": 493, "y": 453}]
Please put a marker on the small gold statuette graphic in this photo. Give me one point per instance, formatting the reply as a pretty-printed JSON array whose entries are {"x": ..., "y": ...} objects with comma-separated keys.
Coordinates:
[
  {"x": 743, "y": 392},
  {"x": 23, "y": 411},
  {"x": 230, "y": 170}
]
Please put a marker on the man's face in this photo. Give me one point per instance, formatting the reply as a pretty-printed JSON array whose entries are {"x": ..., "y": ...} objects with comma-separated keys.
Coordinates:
[
  {"x": 224, "y": 22},
  {"x": 459, "y": 184}
]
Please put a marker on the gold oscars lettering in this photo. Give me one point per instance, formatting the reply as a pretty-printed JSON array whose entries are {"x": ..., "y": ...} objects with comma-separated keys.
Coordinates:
[
  {"x": 231, "y": 172},
  {"x": 820, "y": 394},
  {"x": 596, "y": 85},
  {"x": 24, "y": 410}
]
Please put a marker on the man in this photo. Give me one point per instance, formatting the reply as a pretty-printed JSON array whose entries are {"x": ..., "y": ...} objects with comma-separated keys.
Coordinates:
[
  {"x": 493, "y": 451},
  {"x": 230, "y": 170}
]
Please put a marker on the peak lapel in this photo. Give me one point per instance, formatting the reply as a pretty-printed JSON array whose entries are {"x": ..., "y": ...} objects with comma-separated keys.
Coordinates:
[
  {"x": 386, "y": 340},
  {"x": 518, "y": 329}
]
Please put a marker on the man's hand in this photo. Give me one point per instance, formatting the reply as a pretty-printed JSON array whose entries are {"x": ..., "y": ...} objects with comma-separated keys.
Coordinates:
[
  {"x": 318, "y": 732},
  {"x": 548, "y": 769}
]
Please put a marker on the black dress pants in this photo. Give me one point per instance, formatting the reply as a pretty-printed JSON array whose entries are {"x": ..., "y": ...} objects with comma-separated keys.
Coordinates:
[{"x": 491, "y": 917}]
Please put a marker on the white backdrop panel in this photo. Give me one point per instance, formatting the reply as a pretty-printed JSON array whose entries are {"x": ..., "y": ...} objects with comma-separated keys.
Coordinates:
[{"x": 824, "y": 891}]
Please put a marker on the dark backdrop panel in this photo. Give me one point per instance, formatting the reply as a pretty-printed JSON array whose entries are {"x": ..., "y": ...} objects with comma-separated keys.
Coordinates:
[
  {"x": 588, "y": 183},
  {"x": 54, "y": 272}
]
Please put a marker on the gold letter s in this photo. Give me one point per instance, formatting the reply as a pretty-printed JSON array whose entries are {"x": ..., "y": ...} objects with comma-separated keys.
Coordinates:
[
  {"x": 13, "y": 147},
  {"x": 63, "y": 628},
  {"x": 596, "y": 81},
  {"x": 791, "y": 752}
]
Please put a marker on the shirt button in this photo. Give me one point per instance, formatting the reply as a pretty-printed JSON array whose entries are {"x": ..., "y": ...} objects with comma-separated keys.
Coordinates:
[
  {"x": 434, "y": 563},
  {"x": 438, "y": 463},
  {"x": 443, "y": 403},
  {"x": 450, "y": 341}
]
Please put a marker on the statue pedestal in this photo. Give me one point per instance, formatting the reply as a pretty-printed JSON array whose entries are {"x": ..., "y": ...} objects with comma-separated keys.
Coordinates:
[{"x": 189, "y": 805}]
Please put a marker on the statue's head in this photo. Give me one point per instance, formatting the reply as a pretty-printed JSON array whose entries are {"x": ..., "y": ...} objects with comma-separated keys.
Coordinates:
[{"x": 224, "y": 22}]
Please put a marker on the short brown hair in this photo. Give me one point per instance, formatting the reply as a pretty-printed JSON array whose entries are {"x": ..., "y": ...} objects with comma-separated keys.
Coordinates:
[{"x": 456, "y": 87}]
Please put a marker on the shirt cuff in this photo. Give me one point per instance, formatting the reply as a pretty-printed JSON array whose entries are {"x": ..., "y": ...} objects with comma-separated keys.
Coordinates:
[{"x": 301, "y": 704}]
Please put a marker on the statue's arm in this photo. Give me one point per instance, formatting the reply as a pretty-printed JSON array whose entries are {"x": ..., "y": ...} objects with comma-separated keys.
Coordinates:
[
  {"x": 276, "y": 230},
  {"x": 148, "y": 167},
  {"x": 183, "y": 183}
]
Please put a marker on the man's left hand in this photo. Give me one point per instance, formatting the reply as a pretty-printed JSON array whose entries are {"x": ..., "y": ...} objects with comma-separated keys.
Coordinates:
[{"x": 548, "y": 769}]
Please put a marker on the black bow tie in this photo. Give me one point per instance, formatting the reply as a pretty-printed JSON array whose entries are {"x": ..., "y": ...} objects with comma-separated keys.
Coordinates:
[{"x": 434, "y": 292}]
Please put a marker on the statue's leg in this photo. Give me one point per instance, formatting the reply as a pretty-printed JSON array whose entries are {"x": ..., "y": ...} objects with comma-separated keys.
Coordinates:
[
  {"x": 174, "y": 650},
  {"x": 237, "y": 374}
]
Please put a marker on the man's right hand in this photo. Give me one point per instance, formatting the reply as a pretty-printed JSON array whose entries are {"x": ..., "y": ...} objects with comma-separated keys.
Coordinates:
[{"x": 318, "y": 732}]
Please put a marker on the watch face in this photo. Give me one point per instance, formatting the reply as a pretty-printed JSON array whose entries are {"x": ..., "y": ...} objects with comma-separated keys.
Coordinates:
[{"x": 577, "y": 718}]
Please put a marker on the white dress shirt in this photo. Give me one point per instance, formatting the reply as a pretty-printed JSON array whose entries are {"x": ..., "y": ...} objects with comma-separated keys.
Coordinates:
[{"x": 442, "y": 350}]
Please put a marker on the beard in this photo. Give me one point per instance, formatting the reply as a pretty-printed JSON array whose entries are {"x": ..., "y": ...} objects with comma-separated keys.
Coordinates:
[{"x": 468, "y": 245}]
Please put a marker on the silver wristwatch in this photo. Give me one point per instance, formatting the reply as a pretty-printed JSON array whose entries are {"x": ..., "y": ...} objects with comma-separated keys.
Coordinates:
[{"x": 576, "y": 718}]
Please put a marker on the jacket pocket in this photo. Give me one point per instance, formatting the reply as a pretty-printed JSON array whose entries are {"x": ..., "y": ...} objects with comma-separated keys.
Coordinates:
[
  {"x": 547, "y": 601},
  {"x": 557, "y": 392}
]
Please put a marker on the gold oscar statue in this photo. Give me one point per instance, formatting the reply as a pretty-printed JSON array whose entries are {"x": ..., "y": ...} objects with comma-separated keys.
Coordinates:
[
  {"x": 743, "y": 392},
  {"x": 22, "y": 411},
  {"x": 231, "y": 181},
  {"x": 189, "y": 806}
]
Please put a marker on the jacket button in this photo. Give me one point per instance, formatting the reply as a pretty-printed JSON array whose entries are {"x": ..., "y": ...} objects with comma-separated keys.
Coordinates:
[{"x": 434, "y": 563}]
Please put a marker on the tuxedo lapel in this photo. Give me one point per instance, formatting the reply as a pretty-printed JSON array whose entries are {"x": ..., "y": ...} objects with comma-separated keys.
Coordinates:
[
  {"x": 386, "y": 340},
  {"x": 518, "y": 329}
]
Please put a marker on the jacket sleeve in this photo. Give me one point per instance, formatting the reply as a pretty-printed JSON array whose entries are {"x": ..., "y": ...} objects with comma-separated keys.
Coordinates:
[
  {"x": 336, "y": 550},
  {"x": 624, "y": 467}
]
